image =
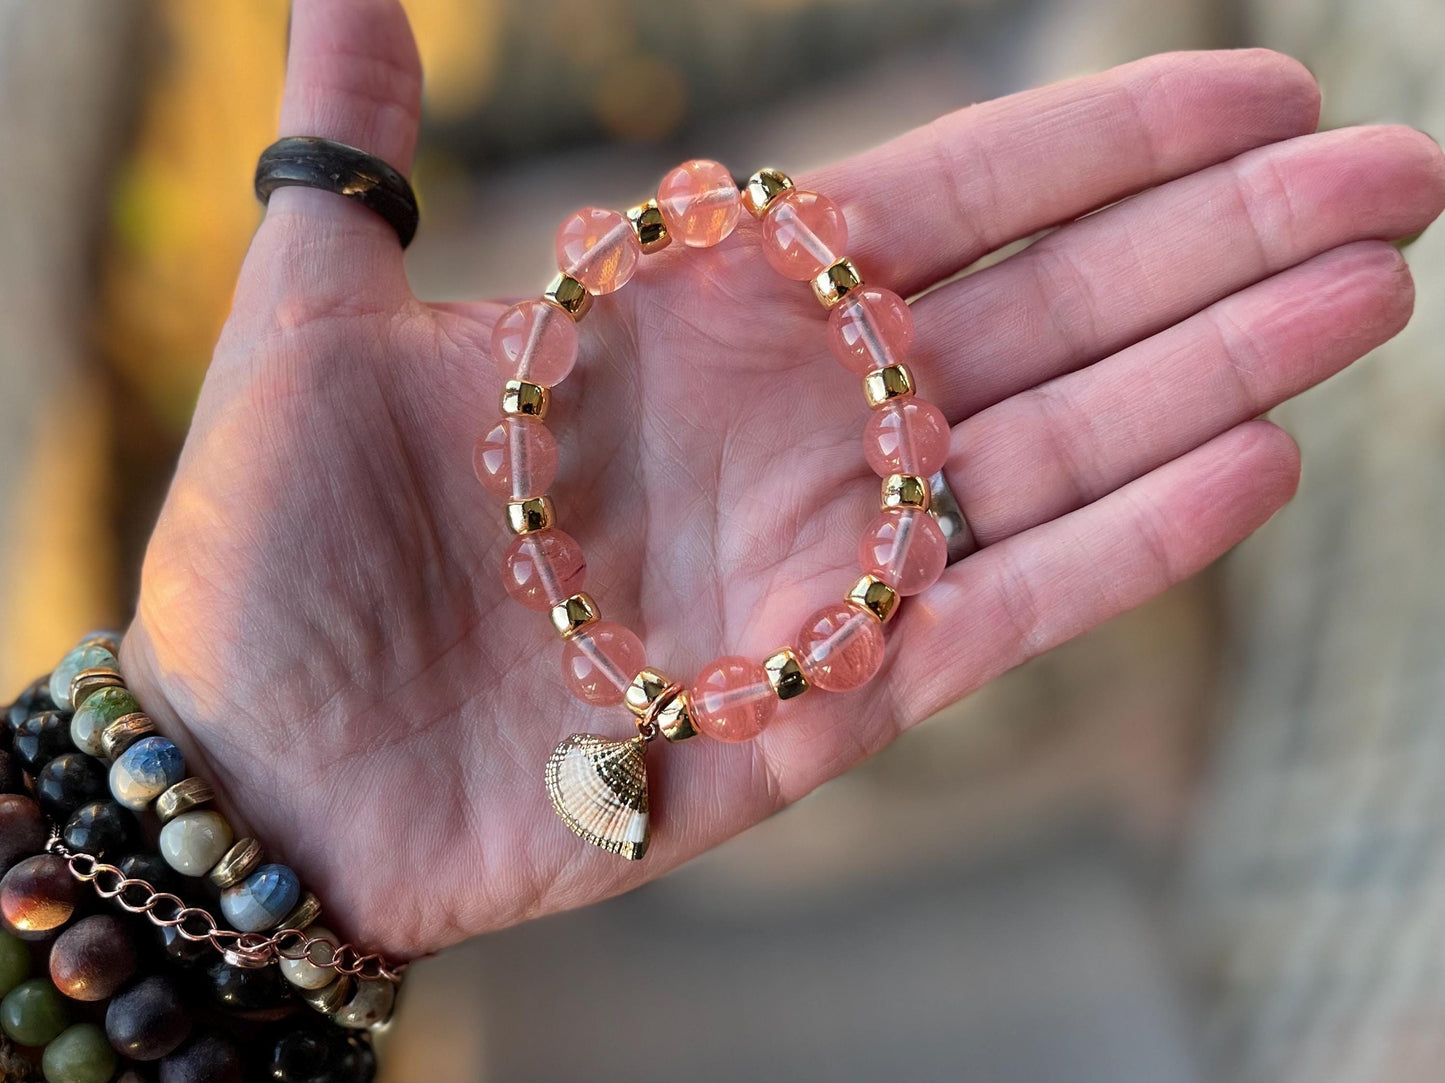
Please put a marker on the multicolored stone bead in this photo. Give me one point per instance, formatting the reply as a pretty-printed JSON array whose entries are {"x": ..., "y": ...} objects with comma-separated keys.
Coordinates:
[
  {"x": 86, "y": 656},
  {"x": 193, "y": 842},
  {"x": 303, "y": 973},
  {"x": 99, "y": 710},
  {"x": 146, "y": 770},
  {"x": 369, "y": 1006},
  {"x": 37, "y": 897},
  {"x": 262, "y": 899}
]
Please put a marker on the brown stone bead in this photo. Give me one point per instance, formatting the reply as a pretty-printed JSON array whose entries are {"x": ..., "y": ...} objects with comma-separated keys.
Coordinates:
[
  {"x": 93, "y": 958},
  {"x": 22, "y": 830},
  {"x": 37, "y": 897}
]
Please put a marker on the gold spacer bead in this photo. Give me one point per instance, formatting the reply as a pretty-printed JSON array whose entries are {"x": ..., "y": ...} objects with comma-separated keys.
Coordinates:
[
  {"x": 648, "y": 224},
  {"x": 785, "y": 673},
  {"x": 569, "y": 295},
  {"x": 885, "y": 385},
  {"x": 571, "y": 615},
  {"x": 874, "y": 595},
  {"x": 522, "y": 399},
  {"x": 905, "y": 491},
  {"x": 237, "y": 863},
  {"x": 185, "y": 795},
  {"x": 674, "y": 718},
  {"x": 531, "y": 515},
  {"x": 90, "y": 681},
  {"x": 646, "y": 689},
  {"x": 837, "y": 282},
  {"x": 303, "y": 915},
  {"x": 762, "y": 188},
  {"x": 329, "y": 998},
  {"x": 124, "y": 732}
]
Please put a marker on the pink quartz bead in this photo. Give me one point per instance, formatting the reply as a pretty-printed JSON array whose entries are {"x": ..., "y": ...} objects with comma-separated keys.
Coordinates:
[
  {"x": 599, "y": 662},
  {"x": 841, "y": 647},
  {"x": 905, "y": 548},
  {"x": 803, "y": 234},
  {"x": 598, "y": 248},
  {"x": 731, "y": 699},
  {"x": 870, "y": 329},
  {"x": 909, "y": 437},
  {"x": 516, "y": 458},
  {"x": 699, "y": 202},
  {"x": 539, "y": 570},
  {"x": 535, "y": 341}
]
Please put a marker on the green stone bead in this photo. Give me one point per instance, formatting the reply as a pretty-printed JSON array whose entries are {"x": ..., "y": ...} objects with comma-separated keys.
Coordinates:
[
  {"x": 33, "y": 1012},
  {"x": 80, "y": 1054},
  {"x": 99, "y": 710},
  {"x": 14, "y": 962}
]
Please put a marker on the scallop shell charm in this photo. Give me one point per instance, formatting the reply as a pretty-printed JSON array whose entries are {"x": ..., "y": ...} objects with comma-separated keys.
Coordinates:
[{"x": 599, "y": 787}]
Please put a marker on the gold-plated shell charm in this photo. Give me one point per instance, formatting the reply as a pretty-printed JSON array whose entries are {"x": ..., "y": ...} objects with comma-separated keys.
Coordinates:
[{"x": 599, "y": 787}]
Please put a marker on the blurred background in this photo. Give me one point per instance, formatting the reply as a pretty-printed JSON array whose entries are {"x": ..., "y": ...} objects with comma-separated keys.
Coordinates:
[{"x": 1201, "y": 843}]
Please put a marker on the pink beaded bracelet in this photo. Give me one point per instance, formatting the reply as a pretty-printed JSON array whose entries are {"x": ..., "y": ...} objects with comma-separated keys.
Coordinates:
[{"x": 599, "y": 785}]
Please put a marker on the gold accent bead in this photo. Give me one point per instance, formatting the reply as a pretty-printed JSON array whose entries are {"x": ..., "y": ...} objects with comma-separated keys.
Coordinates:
[
  {"x": 885, "y": 385},
  {"x": 905, "y": 491},
  {"x": 571, "y": 615},
  {"x": 762, "y": 188},
  {"x": 124, "y": 732},
  {"x": 303, "y": 915},
  {"x": 531, "y": 515},
  {"x": 185, "y": 795},
  {"x": 837, "y": 282},
  {"x": 785, "y": 673},
  {"x": 520, "y": 398},
  {"x": 569, "y": 295},
  {"x": 651, "y": 230},
  {"x": 874, "y": 595},
  {"x": 239, "y": 862},
  {"x": 645, "y": 690},
  {"x": 329, "y": 998},
  {"x": 90, "y": 681},
  {"x": 674, "y": 718}
]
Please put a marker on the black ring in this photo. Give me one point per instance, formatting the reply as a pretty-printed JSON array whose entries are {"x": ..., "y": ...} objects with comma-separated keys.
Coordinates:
[{"x": 309, "y": 162}]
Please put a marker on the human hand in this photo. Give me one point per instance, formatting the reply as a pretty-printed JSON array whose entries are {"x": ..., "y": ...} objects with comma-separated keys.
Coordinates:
[{"x": 322, "y": 625}]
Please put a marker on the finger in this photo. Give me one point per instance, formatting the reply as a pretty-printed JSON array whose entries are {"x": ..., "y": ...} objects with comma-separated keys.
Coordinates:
[
  {"x": 1111, "y": 279},
  {"x": 352, "y": 75},
  {"x": 935, "y": 199},
  {"x": 1013, "y": 601},
  {"x": 1068, "y": 442}
]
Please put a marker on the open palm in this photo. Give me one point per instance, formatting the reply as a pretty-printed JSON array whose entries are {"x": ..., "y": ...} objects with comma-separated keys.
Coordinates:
[{"x": 322, "y": 623}]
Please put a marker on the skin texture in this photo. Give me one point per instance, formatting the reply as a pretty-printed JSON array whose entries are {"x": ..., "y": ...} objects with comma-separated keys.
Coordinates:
[{"x": 322, "y": 625}]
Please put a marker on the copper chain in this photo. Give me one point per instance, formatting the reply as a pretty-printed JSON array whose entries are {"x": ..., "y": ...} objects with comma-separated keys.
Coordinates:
[{"x": 194, "y": 923}]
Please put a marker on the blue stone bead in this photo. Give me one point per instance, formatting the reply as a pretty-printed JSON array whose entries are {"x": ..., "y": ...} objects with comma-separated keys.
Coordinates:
[
  {"x": 262, "y": 899},
  {"x": 144, "y": 771},
  {"x": 86, "y": 657}
]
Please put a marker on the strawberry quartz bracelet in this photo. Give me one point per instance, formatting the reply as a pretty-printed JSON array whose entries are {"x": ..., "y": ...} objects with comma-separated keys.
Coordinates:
[{"x": 598, "y": 785}]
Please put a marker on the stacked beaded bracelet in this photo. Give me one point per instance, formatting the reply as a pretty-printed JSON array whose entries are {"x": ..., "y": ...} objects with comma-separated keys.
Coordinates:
[
  {"x": 598, "y": 785},
  {"x": 61, "y": 733}
]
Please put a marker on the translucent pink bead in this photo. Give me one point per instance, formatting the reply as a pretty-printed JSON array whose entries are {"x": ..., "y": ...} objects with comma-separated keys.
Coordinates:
[
  {"x": 870, "y": 328},
  {"x": 516, "y": 458},
  {"x": 535, "y": 341},
  {"x": 699, "y": 202},
  {"x": 909, "y": 437},
  {"x": 598, "y": 248},
  {"x": 541, "y": 569},
  {"x": 599, "y": 663},
  {"x": 732, "y": 700},
  {"x": 905, "y": 548},
  {"x": 841, "y": 647},
  {"x": 803, "y": 234}
]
